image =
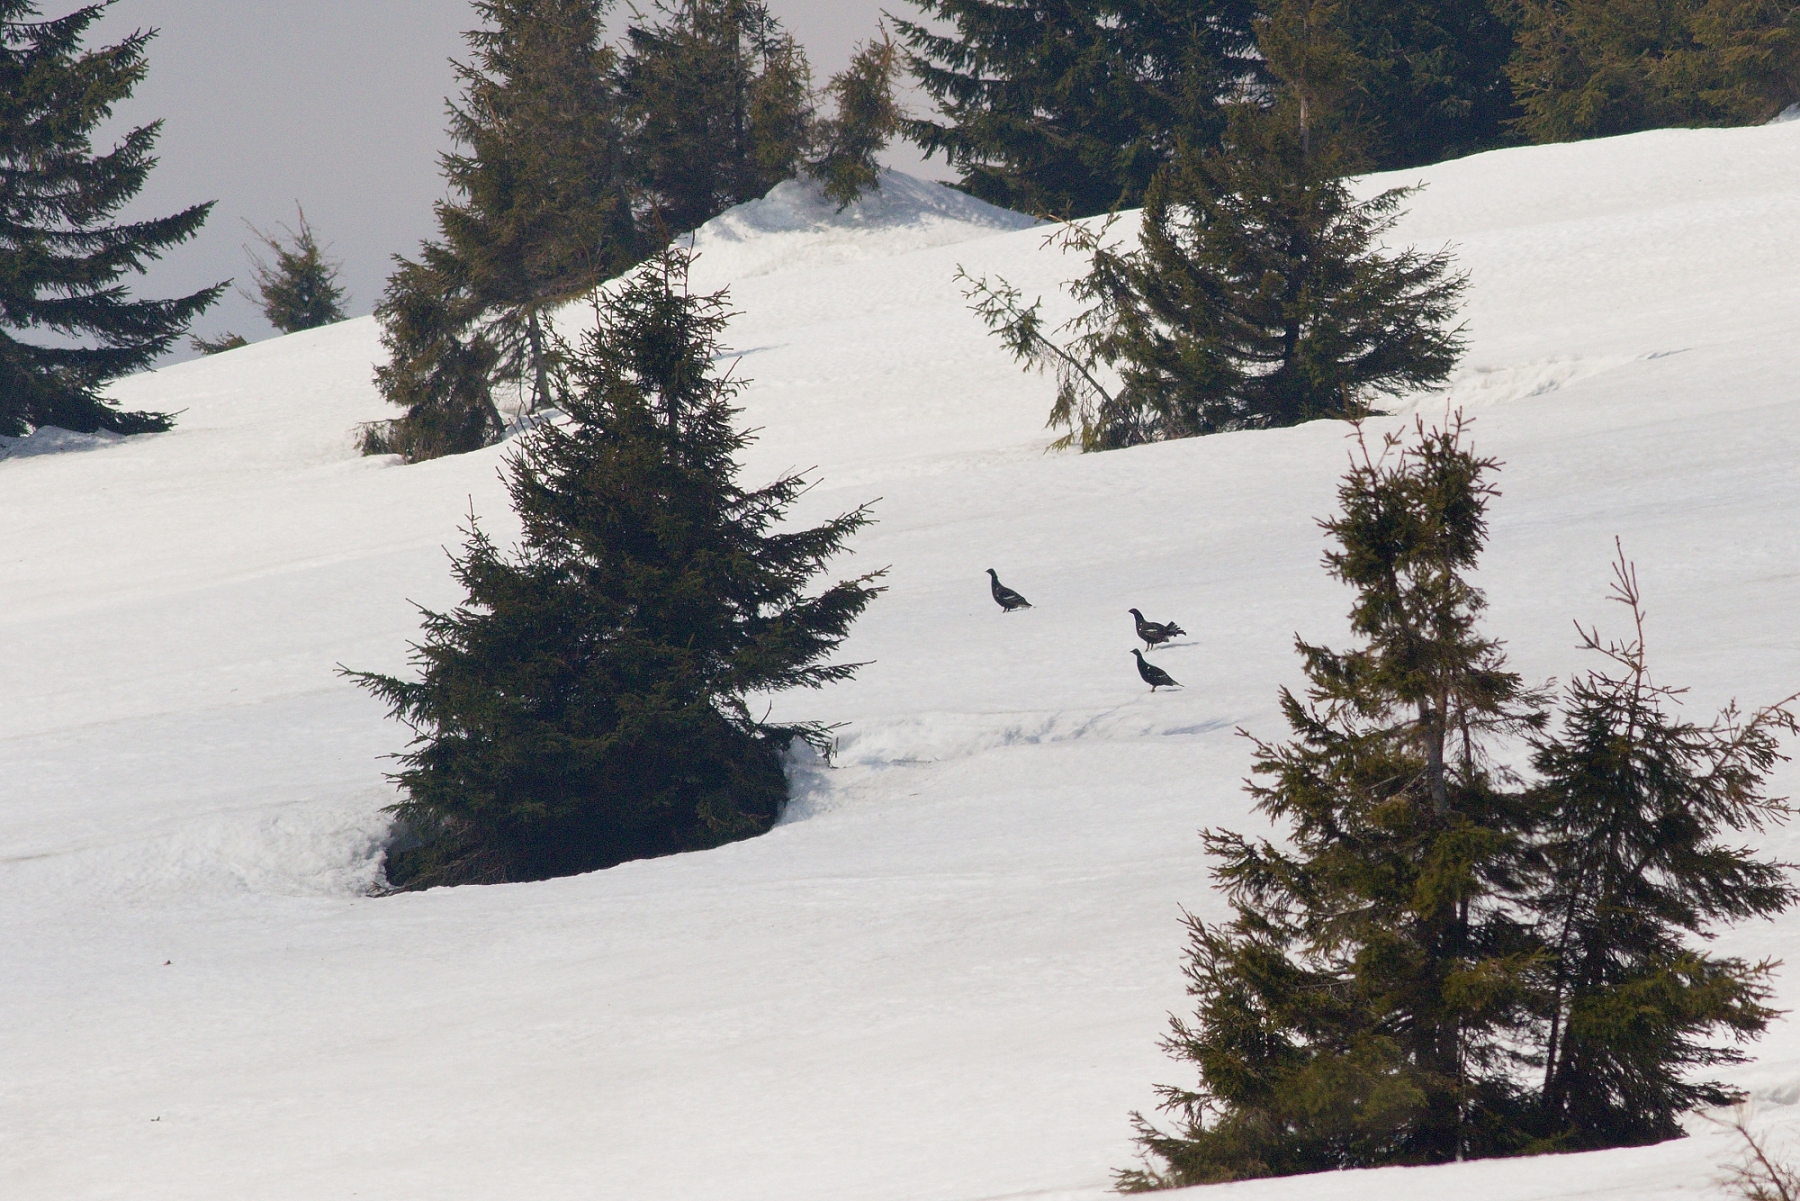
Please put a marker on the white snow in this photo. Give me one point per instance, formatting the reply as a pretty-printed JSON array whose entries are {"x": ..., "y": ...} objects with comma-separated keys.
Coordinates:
[{"x": 943, "y": 976}]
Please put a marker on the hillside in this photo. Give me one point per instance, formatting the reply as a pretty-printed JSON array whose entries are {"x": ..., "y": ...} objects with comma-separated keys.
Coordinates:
[{"x": 942, "y": 977}]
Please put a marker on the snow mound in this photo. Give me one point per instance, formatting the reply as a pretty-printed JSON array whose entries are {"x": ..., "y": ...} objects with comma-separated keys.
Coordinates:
[
  {"x": 796, "y": 227},
  {"x": 1790, "y": 113},
  {"x": 50, "y": 440}
]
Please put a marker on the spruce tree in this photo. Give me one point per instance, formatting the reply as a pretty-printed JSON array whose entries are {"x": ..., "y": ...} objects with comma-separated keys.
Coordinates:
[
  {"x": 1363, "y": 1003},
  {"x": 1639, "y": 811},
  {"x": 541, "y": 210},
  {"x": 1423, "y": 80},
  {"x": 440, "y": 366},
  {"x": 62, "y": 255},
  {"x": 1068, "y": 108},
  {"x": 1594, "y": 68},
  {"x": 218, "y": 345},
  {"x": 298, "y": 288},
  {"x": 1257, "y": 296},
  {"x": 867, "y": 118},
  {"x": 590, "y": 701},
  {"x": 720, "y": 108},
  {"x": 540, "y": 213}
]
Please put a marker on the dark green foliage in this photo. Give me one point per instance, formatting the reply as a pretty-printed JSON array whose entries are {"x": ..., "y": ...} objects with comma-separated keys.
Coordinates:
[
  {"x": 1256, "y": 296},
  {"x": 720, "y": 109},
  {"x": 219, "y": 345},
  {"x": 1069, "y": 107},
  {"x": 867, "y": 119},
  {"x": 1638, "y": 809},
  {"x": 1421, "y": 81},
  {"x": 1592, "y": 68},
  {"x": 439, "y": 369},
  {"x": 1358, "y": 1007},
  {"x": 542, "y": 211},
  {"x": 299, "y": 289},
  {"x": 589, "y": 702},
  {"x": 61, "y": 255},
  {"x": 1432, "y": 933}
]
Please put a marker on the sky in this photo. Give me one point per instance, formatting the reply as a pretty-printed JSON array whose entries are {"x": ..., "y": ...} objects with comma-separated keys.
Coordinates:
[{"x": 336, "y": 106}]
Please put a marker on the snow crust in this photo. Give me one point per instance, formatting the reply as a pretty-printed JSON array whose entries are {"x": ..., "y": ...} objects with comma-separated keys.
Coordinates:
[{"x": 943, "y": 975}]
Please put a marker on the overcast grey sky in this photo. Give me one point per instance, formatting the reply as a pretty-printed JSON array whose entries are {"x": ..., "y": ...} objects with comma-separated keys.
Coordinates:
[{"x": 339, "y": 105}]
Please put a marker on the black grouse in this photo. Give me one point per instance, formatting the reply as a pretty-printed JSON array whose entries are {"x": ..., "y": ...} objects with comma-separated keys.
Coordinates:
[
  {"x": 1154, "y": 633},
  {"x": 1153, "y": 675},
  {"x": 1005, "y": 597}
]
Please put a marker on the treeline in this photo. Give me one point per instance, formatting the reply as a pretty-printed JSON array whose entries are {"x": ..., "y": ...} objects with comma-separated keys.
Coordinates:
[
  {"x": 1068, "y": 108},
  {"x": 575, "y": 160}
]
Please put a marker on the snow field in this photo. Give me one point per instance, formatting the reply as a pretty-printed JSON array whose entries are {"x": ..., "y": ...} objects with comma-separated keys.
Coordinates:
[{"x": 943, "y": 975}]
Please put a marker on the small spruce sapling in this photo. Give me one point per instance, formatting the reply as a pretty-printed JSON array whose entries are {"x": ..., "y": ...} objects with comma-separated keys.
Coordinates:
[
  {"x": 590, "y": 702},
  {"x": 218, "y": 345},
  {"x": 297, "y": 286},
  {"x": 1638, "y": 812}
]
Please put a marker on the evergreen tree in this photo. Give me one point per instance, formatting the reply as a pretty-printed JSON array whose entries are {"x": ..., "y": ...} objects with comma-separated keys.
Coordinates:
[
  {"x": 61, "y": 254},
  {"x": 298, "y": 289},
  {"x": 1422, "y": 81},
  {"x": 588, "y": 702},
  {"x": 439, "y": 367},
  {"x": 720, "y": 107},
  {"x": 1256, "y": 296},
  {"x": 1638, "y": 808},
  {"x": 1430, "y": 929},
  {"x": 540, "y": 214},
  {"x": 1362, "y": 1005},
  {"x": 1069, "y": 107},
  {"x": 541, "y": 210},
  {"x": 867, "y": 118},
  {"x": 219, "y": 345},
  {"x": 1593, "y": 68}
]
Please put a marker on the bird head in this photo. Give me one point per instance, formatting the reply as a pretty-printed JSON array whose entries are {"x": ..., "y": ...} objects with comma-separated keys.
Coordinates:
[
  {"x": 1135, "y": 614},
  {"x": 990, "y": 571}
]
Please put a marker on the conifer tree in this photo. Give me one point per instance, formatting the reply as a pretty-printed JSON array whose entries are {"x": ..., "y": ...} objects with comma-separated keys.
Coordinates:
[
  {"x": 62, "y": 255},
  {"x": 1423, "y": 80},
  {"x": 1638, "y": 809},
  {"x": 440, "y": 366},
  {"x": 1362, "y": 1005},
  {"x": 540, "y": 213},
  {"x": 298, "y": 289},
  {"x": 541, "y": 210},
  {"x": 1068, "y": 107},
  {"x": 1593, "y": 68},
  {"x": 1256, "y": 296},
  {"x": 588, "y": 703},
  {"x": 218, "y": 345},
  {"x": 720, "y": 104},
  {"x": 867, "y": 118}
]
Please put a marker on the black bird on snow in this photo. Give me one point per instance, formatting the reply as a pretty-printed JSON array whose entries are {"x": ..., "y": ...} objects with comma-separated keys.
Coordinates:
[
  {"x": 1153, "y": 675},
  {"x": 1005, "y": 597},
  {"x": 1154, "y": 633}
]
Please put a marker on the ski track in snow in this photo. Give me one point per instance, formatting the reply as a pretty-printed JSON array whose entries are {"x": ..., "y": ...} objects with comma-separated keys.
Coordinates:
[{"x": 942, "y": 976}]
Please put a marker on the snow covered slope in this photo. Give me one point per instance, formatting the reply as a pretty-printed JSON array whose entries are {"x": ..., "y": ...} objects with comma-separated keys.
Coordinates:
[{"x": 942, "y": 977}]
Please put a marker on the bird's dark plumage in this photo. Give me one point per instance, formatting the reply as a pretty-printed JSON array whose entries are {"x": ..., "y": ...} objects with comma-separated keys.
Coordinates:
[
  {"x": 1153, "y": 675},
  {"x": 1154, "y": 633},
  {"x": 1005, "y": 597}
]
